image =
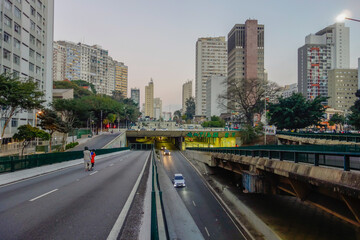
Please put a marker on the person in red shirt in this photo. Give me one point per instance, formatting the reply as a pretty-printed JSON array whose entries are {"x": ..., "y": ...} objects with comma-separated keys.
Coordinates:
[{"x": 92, "y": 159}]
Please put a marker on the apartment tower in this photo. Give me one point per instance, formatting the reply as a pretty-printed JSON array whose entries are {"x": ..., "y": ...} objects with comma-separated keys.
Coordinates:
[
  {"x": 325, "y": 50},
  {"x": 121, "y": 78},
  {"x": 149, "y": 99},
  {"x": 211, "y": 59},
  {"x": 26, "y": 42},
  {"x": 186, "y": 94}
]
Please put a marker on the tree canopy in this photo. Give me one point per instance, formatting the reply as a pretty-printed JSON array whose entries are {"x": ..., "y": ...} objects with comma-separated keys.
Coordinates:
[
  {"x": 16, "y": 95},
  {"x": 214, "y": 122},
  {"x": 296, "y": 112},
  {"x": 79, "y": 91},
  {"x": 354, "y": 117},
  {"x": 190, "y": 108},
  {"x": 27, "y": 133}
]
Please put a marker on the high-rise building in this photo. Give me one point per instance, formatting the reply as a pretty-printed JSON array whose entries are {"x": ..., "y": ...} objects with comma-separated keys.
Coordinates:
[
  {"x": 211, "y": 59},
  {"x": 343, "y": 84},
  {"x": 325, "y": 50},
  {"x": 245, "y": 49},
  {"x": 157, "y": 108},
  {"x": 135, "y": 96},
  {"x": 91, "y": 64},
  {"x": 27, "y": 49},
  {"x": 186, "y": 94},
  {"x": 121, "y": 78},
  {"x": 149, "y": 99},
  {"x": 214, "y": 87}
]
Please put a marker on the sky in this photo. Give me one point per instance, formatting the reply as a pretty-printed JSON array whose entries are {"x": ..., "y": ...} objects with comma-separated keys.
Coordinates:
[{"x": 157, "y": 38}]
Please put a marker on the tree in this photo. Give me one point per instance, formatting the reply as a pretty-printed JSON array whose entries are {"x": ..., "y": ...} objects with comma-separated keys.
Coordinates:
[
  {"x": 337, "y": 119},
  {"x": 177, "y": 116},
  {"x": 247, "y": 97},
  {"x": 190, "y": 108},
  {"x": 296, "y": 112},
  {"x": 27, "y": 133},
  {"x": 51, "y": 121},
  {"x": 82, "y": 83},
  {"x": 16, "y": 95},
  {"x": 354, "y": 117},
  {"x": 78, "y": 91},
  {"x": 215, "y": 122}
]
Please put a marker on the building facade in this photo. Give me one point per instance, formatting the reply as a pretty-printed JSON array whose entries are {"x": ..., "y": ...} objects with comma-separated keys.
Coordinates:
[
  {"x": 27, "y": 29},
  {"x": 245, "y": 48},
  {"x": 211, "y": 59},
  {"x": 325, "y": 50},
  {"x": 91, "y": 64},
  {"x": 157, "y": 108},
  {"x": 149, "y": 100},
  {"x": 135, "y": 96},
  {"x": 215, "y": 87},
  {"x": 121, "y": 78},
  {"x": 289, "y": 90},
  {"x": 186, "y": 94},
  {"x": 343, "y": 84}
]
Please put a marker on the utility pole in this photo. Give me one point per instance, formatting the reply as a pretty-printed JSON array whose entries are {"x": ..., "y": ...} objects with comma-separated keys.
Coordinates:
[{"x": 101, "y": 122}]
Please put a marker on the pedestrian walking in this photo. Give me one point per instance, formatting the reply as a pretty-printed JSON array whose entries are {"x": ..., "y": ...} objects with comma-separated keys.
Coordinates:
[
  {"x": 87, "y": 158},
  {"x": 92, "y": 159}
]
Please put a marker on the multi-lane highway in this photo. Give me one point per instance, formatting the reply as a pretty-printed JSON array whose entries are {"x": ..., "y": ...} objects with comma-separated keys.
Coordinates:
[
  {"x": 208, "y": 214},
  {"x": 71, "y": 203}
]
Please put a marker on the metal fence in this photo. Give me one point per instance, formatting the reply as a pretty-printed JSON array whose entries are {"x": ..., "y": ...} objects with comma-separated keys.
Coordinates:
[
  {"x": 340, "y": 156},
  {"x": 159, "y": 230},
  {"x": 14, "y": 163},
  {"x": 349, "y": 137}
]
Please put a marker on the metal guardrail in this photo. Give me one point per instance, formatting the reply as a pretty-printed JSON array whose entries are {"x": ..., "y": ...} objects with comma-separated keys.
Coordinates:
[
  {"x": 327, "y": 136},
  {"x": 159, "y": 230},
  {"x": 346, "y": 157},
  {"x": 14, "y": 163}
]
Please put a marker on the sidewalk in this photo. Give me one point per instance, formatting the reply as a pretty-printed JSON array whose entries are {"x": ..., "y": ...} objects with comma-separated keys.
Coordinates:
[{"x": 16, "y": 176}]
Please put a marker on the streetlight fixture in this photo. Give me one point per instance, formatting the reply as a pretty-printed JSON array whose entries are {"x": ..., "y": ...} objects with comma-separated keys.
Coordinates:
[{"x": 36, "y": 114}]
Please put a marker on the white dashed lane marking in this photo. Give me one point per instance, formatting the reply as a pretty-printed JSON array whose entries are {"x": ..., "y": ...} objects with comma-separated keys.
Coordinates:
[
  {"x": 43, "y": 195},
  {"x": 207, "y": 232},
  {"x": 93, "y": 173}
]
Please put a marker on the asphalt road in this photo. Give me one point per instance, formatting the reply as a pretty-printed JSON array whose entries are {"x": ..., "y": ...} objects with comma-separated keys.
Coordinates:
[
  {"x": 71, "y": 203},
  {"x": 97, "y": 142},
  {"x": 208, "y": 214}
]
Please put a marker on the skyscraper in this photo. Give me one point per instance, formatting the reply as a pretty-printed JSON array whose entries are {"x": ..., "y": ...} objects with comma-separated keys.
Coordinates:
[
  {"x": 121, "y": 78},
  {"x": 211, "y": 59},
  {"x": 135, "y": 96},
  {"x": 157, "y": 108},
  {"x": 149, "y": 99},
  {"x": 27, "y": 49},
  {"x": 245, "y": 48},
  {"x": 325, "y": 50},
  {"x": 246, "y": 51},
  {"x": 186, "y": 94}
]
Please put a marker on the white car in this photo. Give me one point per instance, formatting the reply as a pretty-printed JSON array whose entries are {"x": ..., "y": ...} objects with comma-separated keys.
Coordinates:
[{"x": 178, "y": 180}]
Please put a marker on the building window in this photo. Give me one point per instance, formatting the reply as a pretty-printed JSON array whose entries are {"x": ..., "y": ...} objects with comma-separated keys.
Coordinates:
[
  {"x": 16, "y": 43},
  {"x": 32, "y": 39},
  {"x": 32, "y": 25},
  {"x": 33, "y": 11},
  {"x": 31, "y": 67},
  {"x": 17, "y": 28},
  {"x": 7, "y": 5},
  {"x": 7, "y": 37},
  {"x": 31, "y": 52},
  {"x": 16, "y": 74},
  {"x": 39, "y": 17},
  {"x": 7, "y": 21},
  {"x": 38, "y": 30},
  {"x": 14, "y": 122},
  {"x": 38, "y": 57},
  {"x": 6, "y": 70},
  {"x": 38, "y": 43},
  {"x": 38, "y": 70},
  {"x": 16, "y": 59},
  {"x": 6, "y": 54},
  {"x": 17, "y": 12}
]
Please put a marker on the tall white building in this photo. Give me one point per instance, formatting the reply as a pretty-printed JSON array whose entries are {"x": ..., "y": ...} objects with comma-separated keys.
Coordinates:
[
  {"x": 186, "y": 94},
  {"x": 27, "y": 29},
  {"x": 214, "y": 87},
  {"x": 157, "y": 108},
  {"x": 289, "y": 90},
  {"x": 211, "y": 59},
  {"x": 327, "y": 49}
]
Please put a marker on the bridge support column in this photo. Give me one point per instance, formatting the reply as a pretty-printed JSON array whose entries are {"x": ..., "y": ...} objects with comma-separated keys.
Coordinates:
[
  {"x": 346, "y": 163},
  {"x": 316, "y": 161}
]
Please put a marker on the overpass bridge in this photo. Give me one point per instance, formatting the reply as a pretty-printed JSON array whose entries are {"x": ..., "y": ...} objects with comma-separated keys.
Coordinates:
[
  {"x": 318, "y": 138},
  {"x": 326, "y": 177}
]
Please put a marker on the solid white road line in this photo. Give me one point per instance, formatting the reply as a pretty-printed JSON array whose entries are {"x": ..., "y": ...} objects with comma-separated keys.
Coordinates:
[
  {"x": 207, "y": 232},
  {"x": 194, "y": 204},
  {"x": 43, "y": 195},
  {"x": 111, "y": 165},
  {"x": 93, "y": 173},
  {"x": 113, "y": 235}
]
